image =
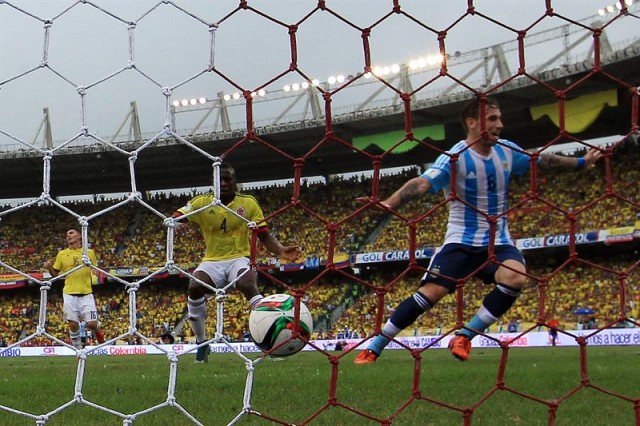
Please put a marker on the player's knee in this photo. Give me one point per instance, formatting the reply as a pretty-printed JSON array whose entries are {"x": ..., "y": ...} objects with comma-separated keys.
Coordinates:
[
  {"x": 248, "y": 287},
  {"x": 195, "y": 290},
  {"x": 74, "y": 326},
  {"x": 513, "y": 279}
]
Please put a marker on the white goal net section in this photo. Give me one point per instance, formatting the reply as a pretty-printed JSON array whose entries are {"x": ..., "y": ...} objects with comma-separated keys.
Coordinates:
[{"x": 237, "y": 71}]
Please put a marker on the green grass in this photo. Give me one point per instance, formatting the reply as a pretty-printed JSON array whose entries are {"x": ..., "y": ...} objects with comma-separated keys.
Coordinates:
[{"x": 298, "y": 389}]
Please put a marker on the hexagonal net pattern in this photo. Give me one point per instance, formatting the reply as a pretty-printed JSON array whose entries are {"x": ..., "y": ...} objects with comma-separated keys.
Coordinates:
[{"x": 542, "y": 206}]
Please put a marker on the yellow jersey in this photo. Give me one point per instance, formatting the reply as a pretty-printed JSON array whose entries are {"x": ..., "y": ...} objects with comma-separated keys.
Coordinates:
[
  {"x": 226, "y": 233},
  {"x": 78, "y": 282}
]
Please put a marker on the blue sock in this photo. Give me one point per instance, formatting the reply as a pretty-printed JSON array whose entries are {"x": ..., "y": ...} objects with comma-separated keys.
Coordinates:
[
  {"x": 494, "y": 305},
  {"x": 405, "y": 314},
  {"x": 480, "y": 321},
  {"x": 380, "y": 342}
]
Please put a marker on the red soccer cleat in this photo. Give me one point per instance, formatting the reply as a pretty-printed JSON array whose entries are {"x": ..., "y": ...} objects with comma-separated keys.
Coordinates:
[
  {"x": 366, "y": 357},
  {"x": 460, "y": 347}
]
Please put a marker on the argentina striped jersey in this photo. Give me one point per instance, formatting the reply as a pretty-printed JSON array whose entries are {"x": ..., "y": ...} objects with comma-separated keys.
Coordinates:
[{"x": 482, "y": 185}]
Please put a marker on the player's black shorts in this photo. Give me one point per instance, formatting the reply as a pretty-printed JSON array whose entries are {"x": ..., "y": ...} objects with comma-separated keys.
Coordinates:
[{"x": 456, "y": 261}]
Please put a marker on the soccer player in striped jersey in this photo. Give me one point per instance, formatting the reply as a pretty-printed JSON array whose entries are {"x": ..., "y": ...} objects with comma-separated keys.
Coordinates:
[
  {"x": 226, "y": 233},
  {"x": 480, "y": 177},
  {"x": 79, "y": 304}
]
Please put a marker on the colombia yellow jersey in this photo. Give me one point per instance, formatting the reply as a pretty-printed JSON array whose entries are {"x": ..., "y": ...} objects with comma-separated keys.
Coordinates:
[
  {"x": 226, "y": 234},
  {"x": 78, "y": 282}
]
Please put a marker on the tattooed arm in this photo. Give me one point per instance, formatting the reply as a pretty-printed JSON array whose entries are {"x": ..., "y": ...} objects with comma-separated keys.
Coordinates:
[
  {"x": 552, "y": 161},
  {"x": 413, "y": 188}
]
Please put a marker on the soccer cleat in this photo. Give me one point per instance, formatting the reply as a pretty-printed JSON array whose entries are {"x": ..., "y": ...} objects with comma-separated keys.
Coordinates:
[
  {"x": 202, "y": 354},
  {"x": 366, "y": 357},
  {"x": 460, "y": 347},
  {"x": 99, "y": 336}
]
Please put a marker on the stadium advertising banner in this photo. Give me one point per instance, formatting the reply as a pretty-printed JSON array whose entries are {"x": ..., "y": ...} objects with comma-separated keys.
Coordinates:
[
  {"x": 392, "y": 256},
  {"x": 607, "y": 337},
  {"x": 561, "y": 240},
  {"x": 620, "y": 235}
]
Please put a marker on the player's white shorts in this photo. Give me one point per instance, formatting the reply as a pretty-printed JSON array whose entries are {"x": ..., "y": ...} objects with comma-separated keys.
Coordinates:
[
  {"x": 80, "y": 308},
  {"x": 222, "y": 272}
]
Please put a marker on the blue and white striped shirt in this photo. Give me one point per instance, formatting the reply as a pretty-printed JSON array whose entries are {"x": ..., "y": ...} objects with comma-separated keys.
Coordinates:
[{"x": 480, "y": 182}]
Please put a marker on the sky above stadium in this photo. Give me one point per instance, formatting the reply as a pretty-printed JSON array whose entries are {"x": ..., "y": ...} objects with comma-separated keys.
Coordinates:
[{"x": 90, "y": 47}]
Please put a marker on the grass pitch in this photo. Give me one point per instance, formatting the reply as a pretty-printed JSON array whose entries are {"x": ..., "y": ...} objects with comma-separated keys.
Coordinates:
[{"x": 300, "y": 389}]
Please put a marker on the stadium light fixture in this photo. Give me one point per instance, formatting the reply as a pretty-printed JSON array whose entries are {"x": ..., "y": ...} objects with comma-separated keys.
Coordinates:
[{"x": 175, "y": 103}]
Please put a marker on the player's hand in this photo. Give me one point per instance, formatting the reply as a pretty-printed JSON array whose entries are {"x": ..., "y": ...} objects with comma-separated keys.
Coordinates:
[
  {"x": 291, "y": 253},
  {"x": 591, "y": 157}
]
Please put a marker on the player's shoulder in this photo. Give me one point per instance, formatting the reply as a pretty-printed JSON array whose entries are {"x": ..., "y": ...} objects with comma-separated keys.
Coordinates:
[
  {"x": 459, "y": 146},
  {"x": 242, "y": 197},
  {"x": 207, "y": 196},
  {"x": 199, "y": 200},
  {"x": 507, "y": 143}
]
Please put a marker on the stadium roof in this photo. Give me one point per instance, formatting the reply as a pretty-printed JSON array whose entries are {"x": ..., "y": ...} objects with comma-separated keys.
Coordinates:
[{"x": 167, "y": 164}]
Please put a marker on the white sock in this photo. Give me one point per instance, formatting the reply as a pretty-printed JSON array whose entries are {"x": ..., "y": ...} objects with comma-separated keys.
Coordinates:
[
  {"x": 255, "y": 300},
  {"x": 197, "y": 315},
  {"x": 76, "y": 341}
]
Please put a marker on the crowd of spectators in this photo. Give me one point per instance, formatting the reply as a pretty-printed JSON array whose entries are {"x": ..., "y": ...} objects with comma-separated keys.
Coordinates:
[{"x": 326, "y": 215}]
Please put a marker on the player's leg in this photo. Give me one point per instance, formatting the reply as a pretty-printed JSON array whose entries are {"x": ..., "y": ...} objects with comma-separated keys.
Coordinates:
[
  {"x": 247, "y": 280},
  {"x": 197, "y": 307},
  {"x": 90, "y": 316},
  {"x": 433, "y": 287},
  {"x": 510, "y": 278},
  {"x": 405, "y": 314},
  {"x": 72, "y": 316},
  {"x": 74, "y": 334}
]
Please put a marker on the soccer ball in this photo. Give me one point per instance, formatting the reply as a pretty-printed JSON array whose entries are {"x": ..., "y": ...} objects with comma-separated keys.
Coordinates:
[{"x": 271, "y": 323}]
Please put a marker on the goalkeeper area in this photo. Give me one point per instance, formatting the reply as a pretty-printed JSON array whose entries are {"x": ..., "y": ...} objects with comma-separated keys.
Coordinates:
[{"x": 545, "y": 376}]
